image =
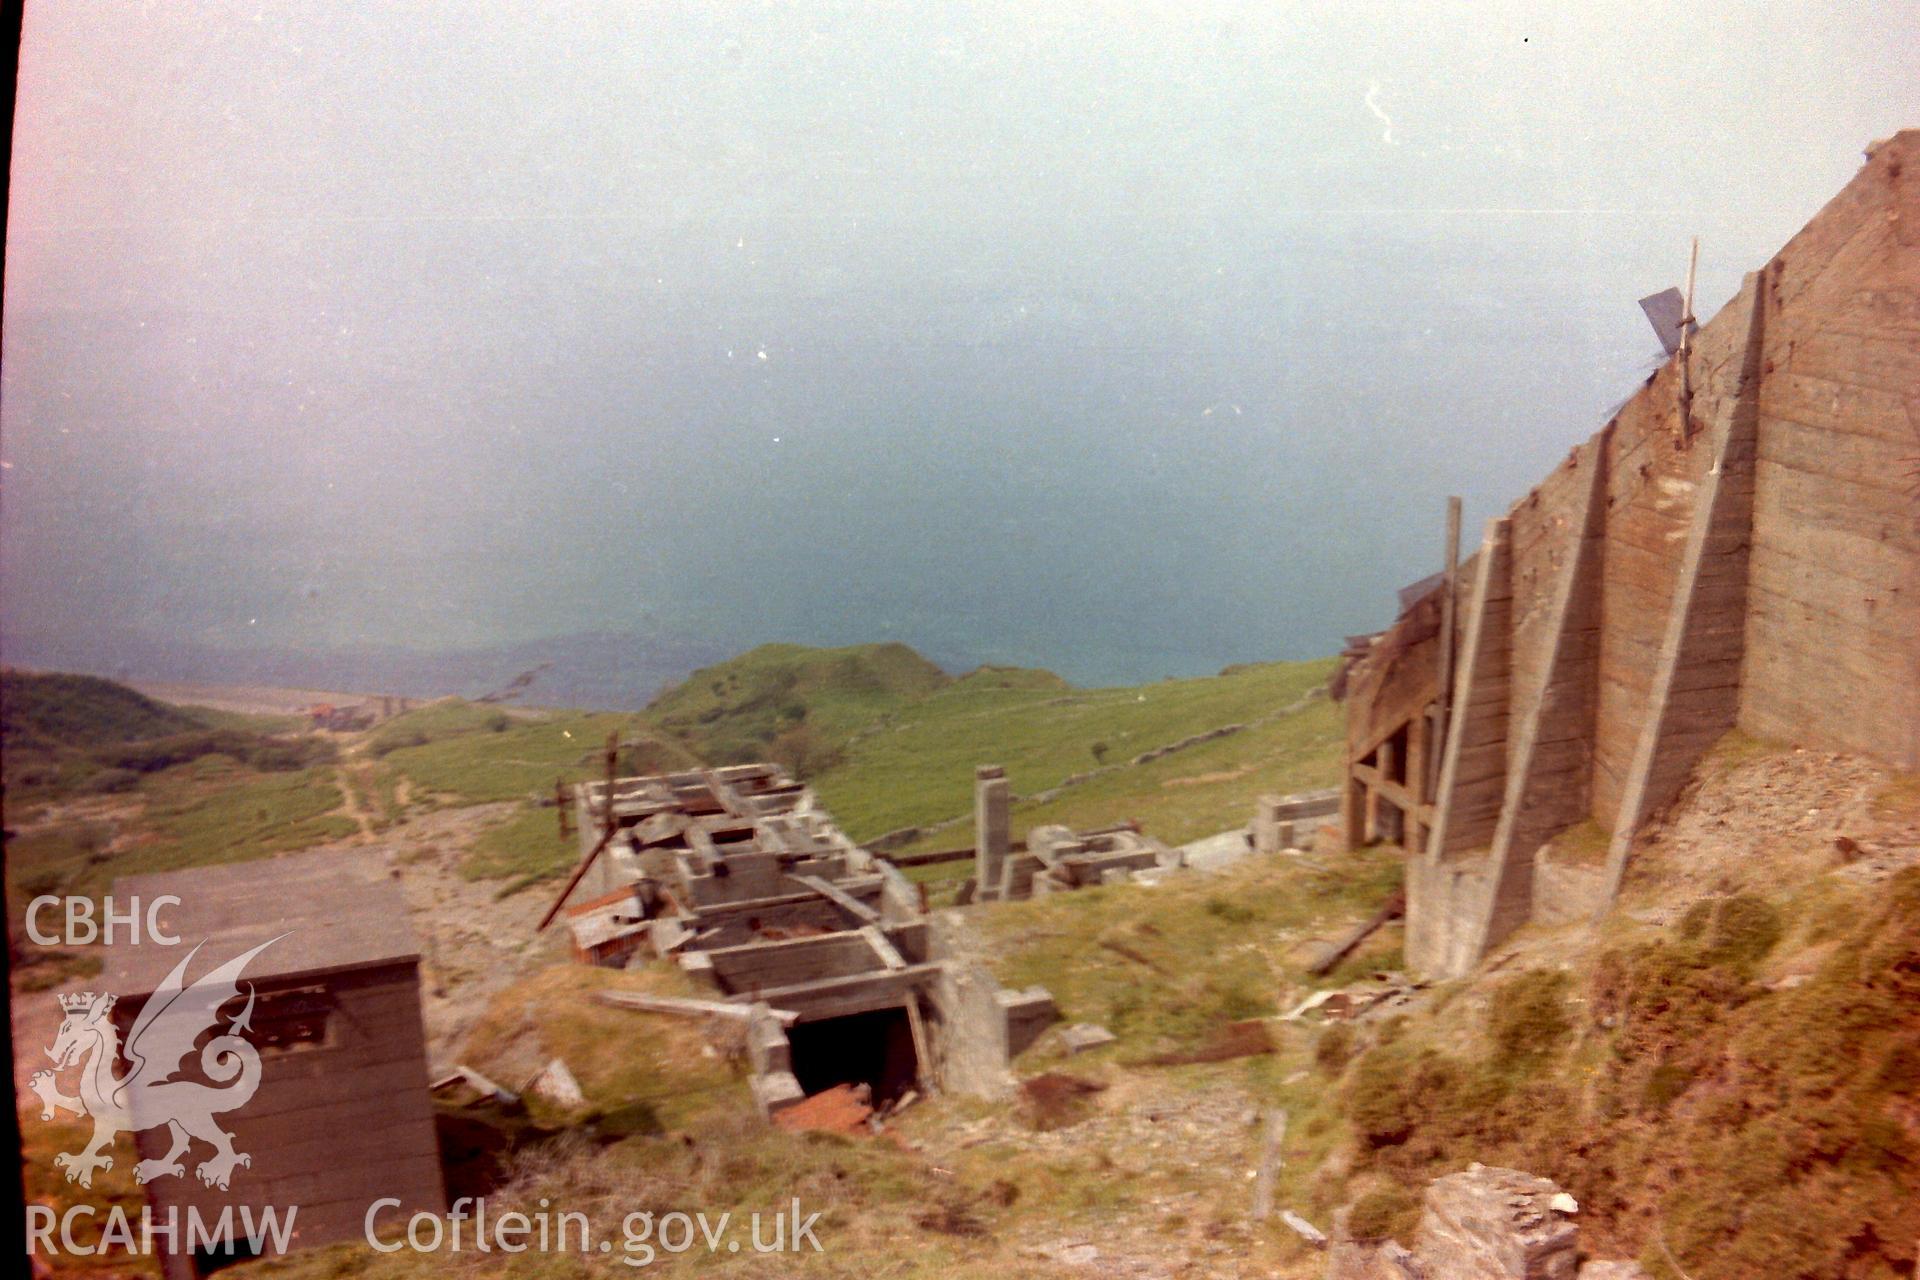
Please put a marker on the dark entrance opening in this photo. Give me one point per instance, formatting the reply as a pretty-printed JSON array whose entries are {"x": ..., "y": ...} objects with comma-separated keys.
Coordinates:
[
  {"x": 207, "y": 1259},
  {"x": 874, "y": 1049}
]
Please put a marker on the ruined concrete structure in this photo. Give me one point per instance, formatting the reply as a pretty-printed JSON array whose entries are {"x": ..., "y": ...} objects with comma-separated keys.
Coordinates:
[
  {"x": 1288, "y": 822},
  {"x": 1054, "y": 858},
  {"x": 824, "y": 951},
  {"x": 1738, "y": 548},
  {"x": 341, "y": 1117}
]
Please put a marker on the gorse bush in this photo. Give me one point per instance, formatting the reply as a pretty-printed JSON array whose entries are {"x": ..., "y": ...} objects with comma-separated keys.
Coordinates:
[
  {"x": 272, "y": 755},
  {"x": 1528, "y": 1019},
  {"x": 1780, "y": 1124},
  {"x": 1388, "y": 1213}
]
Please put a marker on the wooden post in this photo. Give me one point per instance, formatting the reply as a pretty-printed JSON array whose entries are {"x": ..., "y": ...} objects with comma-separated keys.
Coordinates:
[
  {"x": 923, "y": 1069},
  {"x": 1353, "y": 810},
  {"x": 613, "y": 765},
  {"x": 1685, "y": 428},
  {"x": 1418, "y": 749},
  {"x": 1270, "y": 1160},
  {"x": 1430, "y": 784},
  {"x": 560, "y": 807}
]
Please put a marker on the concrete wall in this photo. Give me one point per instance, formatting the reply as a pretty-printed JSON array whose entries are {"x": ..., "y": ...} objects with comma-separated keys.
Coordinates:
[
  {"x": 977, "y": 1026},
  {"x": 1834, "y": 584},
  {"x": 1740, "y": 546}
]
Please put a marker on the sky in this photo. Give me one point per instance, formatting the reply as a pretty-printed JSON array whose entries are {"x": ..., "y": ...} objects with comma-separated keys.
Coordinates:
[{"x": 1127, "y": 339}]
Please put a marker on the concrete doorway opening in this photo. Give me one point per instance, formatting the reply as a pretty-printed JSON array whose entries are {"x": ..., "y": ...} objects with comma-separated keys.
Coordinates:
[{"x": 874, "y": 1049}]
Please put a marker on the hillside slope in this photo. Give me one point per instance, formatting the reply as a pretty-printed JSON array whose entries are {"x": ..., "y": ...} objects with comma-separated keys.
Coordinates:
[
  {"x": 917, "y": 769},
  {"x": 791, "y": 703},
  {"x": 891, "y": 742},
  {"x": 55, "y": 711}
]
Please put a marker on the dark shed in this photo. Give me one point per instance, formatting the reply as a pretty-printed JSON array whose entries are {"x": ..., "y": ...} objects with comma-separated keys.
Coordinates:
[{"x": 341, "y": 1116}]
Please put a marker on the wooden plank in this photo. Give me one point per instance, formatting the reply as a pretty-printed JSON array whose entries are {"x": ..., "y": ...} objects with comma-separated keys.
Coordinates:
[
  {"x": 839, "y": 898},
  {"x": 872, "y": 989},
  {"x": 1394, "y": 907},
  {"x": 573, "y": 881},
  {"x": 883, "y": 948},
  {"x": 922, "y": 1062},
  {"x": 1269, "y": 1164},
  {"x": 687, "y": 1006}
]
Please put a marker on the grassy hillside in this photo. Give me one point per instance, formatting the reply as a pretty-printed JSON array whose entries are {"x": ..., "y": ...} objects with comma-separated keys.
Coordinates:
[
  {"x": 208, "y": 811},
  {"x": 455, "y": 753},
  {"x": 790, "y": 703},
  {"x": 890, "y": 742},
  {"x": 510, "y": 759},
  {"x": 889, "y": 739},
  {"x": 58, "y": 711},
  {"x": 918, "y": 767},
  {"x": 72, "y": 734},
  {"x": 49, "y": 725}
]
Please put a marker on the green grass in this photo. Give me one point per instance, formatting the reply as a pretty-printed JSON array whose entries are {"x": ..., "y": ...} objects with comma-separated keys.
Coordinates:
[
  {"x": 791, "y": 703},
  {"x": 1161, "y": 966},
  {"x": 526, "y": 849},
  {"x": 211, "y": 810},
  {"x": 72, "y": 735},
  {"x": 620, "y": 1057},
  {"x": 208, "y": 812},
  {"x": 918, "y": 769},
  {"x": 218, "y": 813},
  {"x": 53, "y": 859},
  {"x": 524, "y": 757},
  {"x": 82, "y": 711},
  {"x": 50, "y": 725},
  {"x": 446, "y": 718},
  {"x": 251, "y": 721}
]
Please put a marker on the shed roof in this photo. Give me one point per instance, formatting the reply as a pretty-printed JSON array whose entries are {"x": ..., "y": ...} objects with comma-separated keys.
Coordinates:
[{"x": 337, "y": 910}]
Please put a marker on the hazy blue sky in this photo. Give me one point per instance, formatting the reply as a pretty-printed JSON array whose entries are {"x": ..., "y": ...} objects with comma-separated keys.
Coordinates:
[{"x": 1125, "y": 339}]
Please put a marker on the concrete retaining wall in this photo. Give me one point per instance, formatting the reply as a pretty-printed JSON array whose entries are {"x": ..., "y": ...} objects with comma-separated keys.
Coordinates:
[{"x": 1740, "y": 546}]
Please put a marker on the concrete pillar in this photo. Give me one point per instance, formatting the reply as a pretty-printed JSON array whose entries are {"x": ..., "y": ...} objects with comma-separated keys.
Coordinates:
[
  {"x": 1266, "y": 824},
  {"x": 990, "y": 827}
]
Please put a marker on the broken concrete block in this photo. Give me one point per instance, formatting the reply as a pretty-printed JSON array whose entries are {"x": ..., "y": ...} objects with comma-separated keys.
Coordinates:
[
  {"x": 1083, "y": 1037},
  {"x": 1487, "y": 1222},
  {"x": 1027, "y": 1014},
  {"x": 774, "y": 1092},
  {"x": 555, "y": 1083},
  {"x": 1266, "y": 825}
]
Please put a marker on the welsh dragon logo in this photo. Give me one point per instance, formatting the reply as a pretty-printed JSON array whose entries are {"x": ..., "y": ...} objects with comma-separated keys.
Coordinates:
[{"x": 163, "y": 1035}]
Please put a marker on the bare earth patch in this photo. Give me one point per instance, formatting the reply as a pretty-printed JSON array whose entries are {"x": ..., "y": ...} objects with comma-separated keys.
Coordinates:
[
  {"x": 472, "y": 945},
  {"x": 1757, "y": 823}
]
